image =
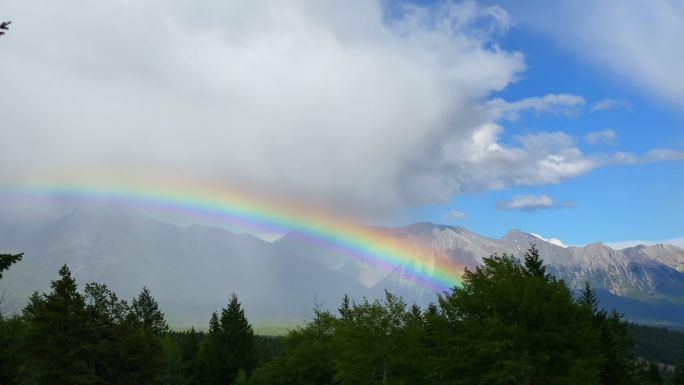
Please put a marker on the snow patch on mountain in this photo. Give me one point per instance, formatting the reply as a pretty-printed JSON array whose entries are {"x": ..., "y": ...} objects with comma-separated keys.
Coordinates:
[{"x": 553, "y": 241}]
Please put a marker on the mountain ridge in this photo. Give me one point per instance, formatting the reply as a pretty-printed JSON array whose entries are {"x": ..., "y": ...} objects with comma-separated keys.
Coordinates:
[{"x": 192, "y": 269}]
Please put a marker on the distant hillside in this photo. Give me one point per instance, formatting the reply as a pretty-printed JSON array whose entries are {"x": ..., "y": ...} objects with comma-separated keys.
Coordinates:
[
  {"x": 193, "y": 270},
  {"x": 657, "y": 344}
]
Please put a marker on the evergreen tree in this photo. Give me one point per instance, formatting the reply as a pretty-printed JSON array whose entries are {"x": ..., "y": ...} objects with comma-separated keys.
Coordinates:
[
  {"x": 615, "y": 349},
  {"x": 345, "y": 307},
  {"x": 214, "y": 324},
  {"x": 35, "y": 301},
  {"x": 12, "y": 355},
  {"x": 238, "y": 349},
  {"x": 7, "y": 260},
  {"x": 172, "y": 371},
  {"x": 678, "y": 378},
  {"x": 588, "y": 299},
  {"x": 123, "y": 352},
  {"x": 615, "y": 344},
  {"x": 189, "y": 343},
  {"x": 140, "y": 355},
  {"x": 434, "y": 324},
  {"x": 534, "y": 265},
  {"x": 146, "y": 309},
  {"x": 103, "y": 305},
  {"x": 205, "y": 370},
  {"x": 650, "y": 374},
  {"x": 59, "y": 340},
  {"x": 228, "y": 348}
]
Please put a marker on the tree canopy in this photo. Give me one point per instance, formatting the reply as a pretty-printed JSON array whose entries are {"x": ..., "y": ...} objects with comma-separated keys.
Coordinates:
[{"x": 509, "y": 323}]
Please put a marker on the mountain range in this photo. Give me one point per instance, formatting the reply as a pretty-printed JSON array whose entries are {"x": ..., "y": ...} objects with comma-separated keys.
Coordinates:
[{"x": 192, "y": 270}]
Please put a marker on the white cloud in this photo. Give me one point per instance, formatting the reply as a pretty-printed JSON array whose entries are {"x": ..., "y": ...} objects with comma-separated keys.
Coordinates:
[
  {"x": 600, "y": 137},
  {"x": 319, "y": 101},
  {"x": 326, "y": 102},
  {"x": 559, "y": 104},
  {"x": 553, "y": 241},
  {"x": 454, "y": 215},
  {"x": 609, "y": 104},
  {"x": 526, "y": 203},
  {"x": 531, "y": 203},
  {"x": 661, "y": 154},
  {"x": 637, "y": 40}
]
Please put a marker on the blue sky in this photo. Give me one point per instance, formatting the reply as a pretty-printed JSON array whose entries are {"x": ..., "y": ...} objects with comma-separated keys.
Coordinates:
[
  {"x": 615, "y": 203},
  {"x": 561, "y": 118}
]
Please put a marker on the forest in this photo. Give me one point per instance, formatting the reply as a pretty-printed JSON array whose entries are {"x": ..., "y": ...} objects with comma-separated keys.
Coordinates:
[{"x": 510, "y": 323}]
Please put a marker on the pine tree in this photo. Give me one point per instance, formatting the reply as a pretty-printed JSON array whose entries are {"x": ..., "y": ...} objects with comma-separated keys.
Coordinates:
[
  {"x": 205, "y": 370},
  {"x": 534, "y": 265},
  {"x": 140, "y": 358},
  {"x": 12, "y": 356},
  {"x": 214, "y": 325},
  {"x": 615, "y": 343},
  {"x": 237, "y": 340},
  {"x": 7, "y": 260},
  {"x": 172, "y": 372},
  {"x": 59, "y": 340},
  {"x": 146, "y": 309},
  {"x": 344, "y": 308},
  {"x": 35, "y": 301},
  {"x": 588, "y": 298},
  {"x": 107, "y": 316},
  {"x": 678, "y": 378},
  {"x": 104, "y": 306},
  {"x": 228, "y": 347},
  {"x": 189, "y": 345},
  {"x": 651, "y": 375}
]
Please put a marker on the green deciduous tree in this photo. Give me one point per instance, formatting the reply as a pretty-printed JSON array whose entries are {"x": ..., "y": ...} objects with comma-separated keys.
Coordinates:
[
  {"x": 508, "y": 326},
  {"x": 380, "y": 342},
  {"x": 307, "y": 357}
]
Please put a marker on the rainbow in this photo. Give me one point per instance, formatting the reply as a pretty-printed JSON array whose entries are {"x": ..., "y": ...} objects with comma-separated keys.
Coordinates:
[{"x": 419, "y": 264}]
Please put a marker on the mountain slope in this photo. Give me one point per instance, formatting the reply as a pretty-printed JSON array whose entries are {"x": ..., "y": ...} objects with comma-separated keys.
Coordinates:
[{"x": 193, "y": 270}]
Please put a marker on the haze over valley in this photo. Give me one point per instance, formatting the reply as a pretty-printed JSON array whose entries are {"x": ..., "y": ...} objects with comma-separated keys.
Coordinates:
[{"x": 193, "y": 269}]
